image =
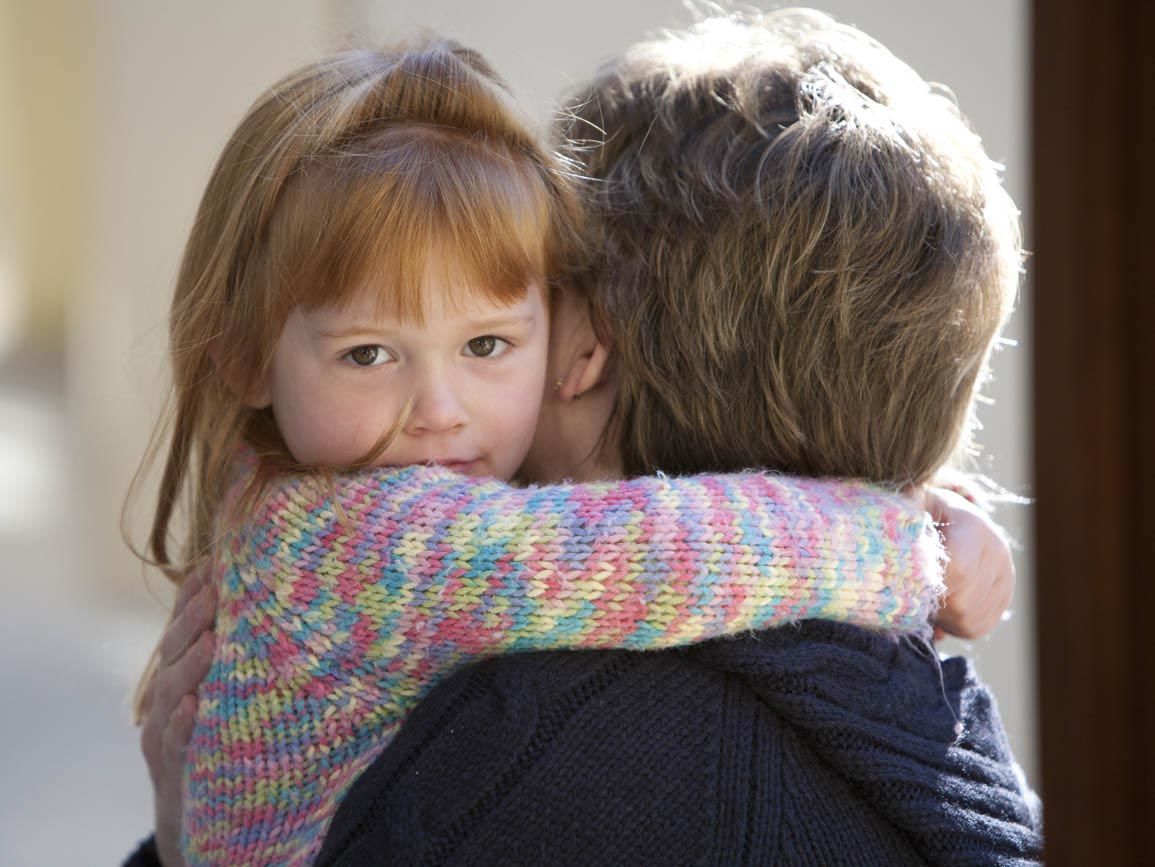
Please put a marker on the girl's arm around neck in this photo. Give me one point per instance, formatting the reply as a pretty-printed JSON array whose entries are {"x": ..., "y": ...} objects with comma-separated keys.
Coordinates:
[{"x": 419, "y": 561}]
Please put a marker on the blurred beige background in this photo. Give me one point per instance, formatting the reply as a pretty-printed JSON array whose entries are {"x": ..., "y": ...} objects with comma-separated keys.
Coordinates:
[{"x": 111, "y": 115}]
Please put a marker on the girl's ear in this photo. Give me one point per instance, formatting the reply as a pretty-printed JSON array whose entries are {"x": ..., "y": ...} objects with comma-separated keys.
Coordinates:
[{"x": 254, "y": 396}]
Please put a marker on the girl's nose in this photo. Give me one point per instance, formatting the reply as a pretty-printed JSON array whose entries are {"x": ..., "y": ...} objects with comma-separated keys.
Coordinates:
[{"x": 436, "y": 408}]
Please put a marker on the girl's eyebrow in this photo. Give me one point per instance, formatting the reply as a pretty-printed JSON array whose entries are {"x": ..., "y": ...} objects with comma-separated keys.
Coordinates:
[
  {"x": 352, "y": 331},
  {"x": 498, "y": 322}
]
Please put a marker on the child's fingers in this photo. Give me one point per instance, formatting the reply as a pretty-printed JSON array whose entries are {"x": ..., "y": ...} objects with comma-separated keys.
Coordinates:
[
  {"x": 980, "y": 573},
  {"x": 1005, "y": 592},
  {"x": 968, "y": 608},
  {"x": 173, "y": 688},
  {"x": 186, "y": 627},
  {"x": 185, "y": 676},
  {"x": 999, "y": 564},
  {"x": 174, "y": 682},
  {"x": 963, "y": 625},
  {"x": 979, "y": 607},
  {"x": 179, "y": 730},
  {"x": 192, "y": 585},
  {"x": 151, "y": 736}
]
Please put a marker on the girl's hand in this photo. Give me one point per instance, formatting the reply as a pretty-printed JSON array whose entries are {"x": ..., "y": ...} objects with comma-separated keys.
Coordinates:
[
  {"x": 170, "y": 705},
  {"x": 980, "y": 577}
]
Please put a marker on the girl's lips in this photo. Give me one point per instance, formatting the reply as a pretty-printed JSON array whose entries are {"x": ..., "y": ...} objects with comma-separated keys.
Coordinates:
[{"x": 463, "y": 467}]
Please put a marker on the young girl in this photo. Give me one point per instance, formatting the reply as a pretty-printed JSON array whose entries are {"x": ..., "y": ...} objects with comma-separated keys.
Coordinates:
[{"x": 359, "y": 339}]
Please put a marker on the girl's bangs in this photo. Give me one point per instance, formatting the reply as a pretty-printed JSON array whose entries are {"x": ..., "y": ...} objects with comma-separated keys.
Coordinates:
[{"x": 414, "y": 211}]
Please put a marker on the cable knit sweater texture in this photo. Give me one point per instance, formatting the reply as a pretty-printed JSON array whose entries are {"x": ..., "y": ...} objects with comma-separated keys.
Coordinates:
[{"x": 343, "y": 605}]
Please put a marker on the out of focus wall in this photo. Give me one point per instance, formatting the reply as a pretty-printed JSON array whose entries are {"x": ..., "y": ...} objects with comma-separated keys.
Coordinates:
[
  {"x": 47, "y": 106},
  {"x": 159, "y": 87},
  {"x": 13, "y": 297}
]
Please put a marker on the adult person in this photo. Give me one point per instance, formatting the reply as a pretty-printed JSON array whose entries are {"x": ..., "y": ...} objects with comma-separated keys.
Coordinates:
[
  {"x": 802, "y": 258},
  {"x": 821, "y": 745}
]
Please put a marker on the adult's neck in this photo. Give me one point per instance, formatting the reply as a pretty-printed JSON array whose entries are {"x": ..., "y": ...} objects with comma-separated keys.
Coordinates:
[{"x": 573, "y": 442}]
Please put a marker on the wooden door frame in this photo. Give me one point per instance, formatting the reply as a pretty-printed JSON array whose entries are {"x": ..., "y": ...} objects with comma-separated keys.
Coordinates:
[{"x": 1093, "y": 277}]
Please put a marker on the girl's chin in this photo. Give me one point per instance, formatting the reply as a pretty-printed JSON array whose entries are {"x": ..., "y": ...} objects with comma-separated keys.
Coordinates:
[{"x": 478, "y": 468}]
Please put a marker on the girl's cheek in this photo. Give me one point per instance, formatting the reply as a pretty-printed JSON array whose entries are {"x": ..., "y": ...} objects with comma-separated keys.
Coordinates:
[{"x": 525, "y": 409}]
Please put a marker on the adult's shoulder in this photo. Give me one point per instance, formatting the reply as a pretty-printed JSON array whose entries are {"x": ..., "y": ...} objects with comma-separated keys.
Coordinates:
[
  {"x": 913, "y": 737},
  {"x": 560, "y": 758},
  {"x": 813, "y": 744}
]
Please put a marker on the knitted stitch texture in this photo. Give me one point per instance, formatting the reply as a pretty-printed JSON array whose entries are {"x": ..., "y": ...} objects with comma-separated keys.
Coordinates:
[
  {"x": 818, "y": 744},
  {"x": 341, "y": 608}
]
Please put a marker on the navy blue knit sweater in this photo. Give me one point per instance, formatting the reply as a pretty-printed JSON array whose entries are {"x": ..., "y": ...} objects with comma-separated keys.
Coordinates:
[{"x": 824, "y": 744}]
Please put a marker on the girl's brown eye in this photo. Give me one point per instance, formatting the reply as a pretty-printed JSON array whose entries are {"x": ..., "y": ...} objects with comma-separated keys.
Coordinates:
[
  {"x": 365, "y": 356},
  {"x": 487, "y": 346},
  {"x": 482, "y": 347}
]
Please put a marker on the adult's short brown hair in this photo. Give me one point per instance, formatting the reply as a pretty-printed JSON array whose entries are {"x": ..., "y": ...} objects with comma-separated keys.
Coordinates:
[{"x": 798, "y": 249}]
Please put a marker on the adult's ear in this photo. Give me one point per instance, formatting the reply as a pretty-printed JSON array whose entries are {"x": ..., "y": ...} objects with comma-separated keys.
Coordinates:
[
  {"x": 589, "y": 368},
  {"x": 231, "y": 370}
]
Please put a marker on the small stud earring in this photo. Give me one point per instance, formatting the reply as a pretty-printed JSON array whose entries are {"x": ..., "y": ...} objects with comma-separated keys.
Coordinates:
[{"x": 558, "y": 383}]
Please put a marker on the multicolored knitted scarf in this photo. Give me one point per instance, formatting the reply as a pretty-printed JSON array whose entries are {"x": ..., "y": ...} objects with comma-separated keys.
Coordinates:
[{"x": 341, "y": 608}]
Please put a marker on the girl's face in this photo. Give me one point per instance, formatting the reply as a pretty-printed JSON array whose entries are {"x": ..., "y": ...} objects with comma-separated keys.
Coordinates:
[{"x": 340, "y": 379}]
